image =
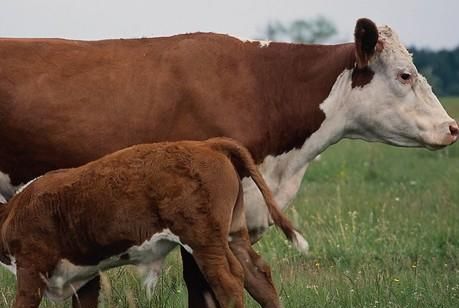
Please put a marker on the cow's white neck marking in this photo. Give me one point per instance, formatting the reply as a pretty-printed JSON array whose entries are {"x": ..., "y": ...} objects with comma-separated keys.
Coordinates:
[
  {"x": 67, "y": 278},
  {"x": 284, "y": 173},
  {"x": 333, "y": 127},
  {"x": 12, "y": 266}
]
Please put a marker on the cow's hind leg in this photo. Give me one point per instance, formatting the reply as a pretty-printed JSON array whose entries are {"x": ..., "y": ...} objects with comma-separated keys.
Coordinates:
[{"x": 88, "y": 295}]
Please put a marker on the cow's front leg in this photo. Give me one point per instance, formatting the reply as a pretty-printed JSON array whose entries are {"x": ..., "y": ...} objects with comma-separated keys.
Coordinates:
[
  {"x": 200, "y": 295},
  {"x": 31, "y": 286},
  {"x": 88, "y": 295}
]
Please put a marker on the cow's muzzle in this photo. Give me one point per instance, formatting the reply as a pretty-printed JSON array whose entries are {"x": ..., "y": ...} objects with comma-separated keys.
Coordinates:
[{"x": 454, "y": 131}]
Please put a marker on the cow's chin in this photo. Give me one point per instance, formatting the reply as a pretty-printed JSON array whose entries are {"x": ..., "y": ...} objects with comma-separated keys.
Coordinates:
[{"x": 436, "y": 142}]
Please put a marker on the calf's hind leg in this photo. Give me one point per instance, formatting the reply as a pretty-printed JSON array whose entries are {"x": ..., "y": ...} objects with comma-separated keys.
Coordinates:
[
  {"x": 224, "y": 274},
  {"x": 257, "y": 274},
  {"x": 200, "y": 295}
]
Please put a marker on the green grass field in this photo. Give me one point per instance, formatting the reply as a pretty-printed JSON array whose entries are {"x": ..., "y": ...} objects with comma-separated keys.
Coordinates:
[{"x": 383, "y": 225}]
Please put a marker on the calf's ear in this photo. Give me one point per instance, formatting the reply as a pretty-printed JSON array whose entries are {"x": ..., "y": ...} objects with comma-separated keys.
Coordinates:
[{"x": 366, "y": 38}]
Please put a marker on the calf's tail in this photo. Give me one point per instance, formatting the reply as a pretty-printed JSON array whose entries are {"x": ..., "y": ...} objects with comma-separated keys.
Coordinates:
[{"x": 239, "y": 153}]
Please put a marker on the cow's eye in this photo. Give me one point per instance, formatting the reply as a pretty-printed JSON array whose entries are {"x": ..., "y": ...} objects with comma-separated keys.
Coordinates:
[{"x": 405, "y": 77}]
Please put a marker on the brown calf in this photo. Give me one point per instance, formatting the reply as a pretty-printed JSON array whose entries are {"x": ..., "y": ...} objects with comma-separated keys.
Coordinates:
[{"x": 133, "y": 207}]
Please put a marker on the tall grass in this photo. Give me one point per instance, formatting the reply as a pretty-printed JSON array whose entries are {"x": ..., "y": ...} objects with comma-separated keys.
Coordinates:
[{"x": 383, "y": 224}]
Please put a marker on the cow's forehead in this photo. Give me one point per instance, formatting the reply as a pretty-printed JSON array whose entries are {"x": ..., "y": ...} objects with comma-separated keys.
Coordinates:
[{"x": 393, "y": 49}]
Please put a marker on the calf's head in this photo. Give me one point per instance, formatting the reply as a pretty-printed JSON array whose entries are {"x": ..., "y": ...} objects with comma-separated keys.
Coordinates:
[{"x": 390, "y": 101}]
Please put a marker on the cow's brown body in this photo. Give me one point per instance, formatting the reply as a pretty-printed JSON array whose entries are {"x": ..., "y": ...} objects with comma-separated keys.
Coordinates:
[
  {"x": 77, "y": 101},
  {"x": 87, "y": 215}
]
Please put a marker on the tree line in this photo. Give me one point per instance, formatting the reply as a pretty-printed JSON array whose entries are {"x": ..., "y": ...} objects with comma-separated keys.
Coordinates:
[{"x": 441, "y": 68}]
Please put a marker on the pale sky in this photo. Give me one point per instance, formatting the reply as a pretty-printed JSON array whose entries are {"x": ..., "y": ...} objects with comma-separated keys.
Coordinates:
[{"x": 423, "y": 23}]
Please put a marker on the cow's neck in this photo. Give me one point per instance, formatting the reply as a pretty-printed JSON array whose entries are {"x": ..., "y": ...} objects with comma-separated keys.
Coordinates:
[
  {"x": 294, "y": 80},
  {"x": 310, "y": 88}
]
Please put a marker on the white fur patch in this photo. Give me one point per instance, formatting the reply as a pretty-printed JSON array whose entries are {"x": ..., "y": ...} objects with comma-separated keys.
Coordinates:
[
  {"x": 158, "y": 244},
  {"x": 300, "y": 243}
]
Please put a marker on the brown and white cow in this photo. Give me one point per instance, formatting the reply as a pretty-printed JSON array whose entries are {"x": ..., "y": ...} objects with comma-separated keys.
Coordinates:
[
  {"x": 133, "y": 207},
  {"x": 63, "y": 103}
]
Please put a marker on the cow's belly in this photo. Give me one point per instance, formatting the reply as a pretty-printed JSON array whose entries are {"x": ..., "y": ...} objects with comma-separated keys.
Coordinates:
[{"x": 283, "y": 181}]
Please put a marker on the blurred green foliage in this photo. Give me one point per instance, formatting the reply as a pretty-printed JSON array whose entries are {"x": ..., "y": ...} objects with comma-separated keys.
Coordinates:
[
  {"x": 441, "y": 68},
  {"x": 315, "y": 30}
]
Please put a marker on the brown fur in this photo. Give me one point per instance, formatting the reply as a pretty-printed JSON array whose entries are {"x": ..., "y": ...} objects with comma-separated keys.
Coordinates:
[{"x": 99, "y": 210}]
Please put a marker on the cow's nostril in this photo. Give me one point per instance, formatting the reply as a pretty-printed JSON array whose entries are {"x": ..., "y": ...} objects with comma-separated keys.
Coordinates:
[{"x": 454, "y": 130}]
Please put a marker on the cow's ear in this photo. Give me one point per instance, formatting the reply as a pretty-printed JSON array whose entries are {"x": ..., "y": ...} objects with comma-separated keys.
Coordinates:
[{"x": 366, "y": 38}]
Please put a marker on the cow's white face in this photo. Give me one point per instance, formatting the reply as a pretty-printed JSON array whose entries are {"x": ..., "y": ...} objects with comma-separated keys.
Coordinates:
[{"x": 397, "y": 106}]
